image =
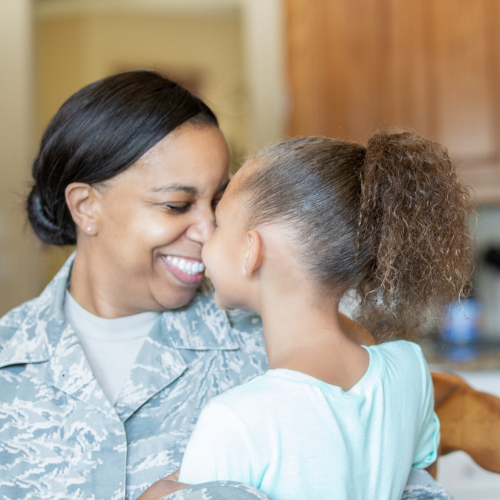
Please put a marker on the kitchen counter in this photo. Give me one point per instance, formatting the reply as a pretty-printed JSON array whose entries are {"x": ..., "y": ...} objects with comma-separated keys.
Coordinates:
[{"x": 479, "y": 356}]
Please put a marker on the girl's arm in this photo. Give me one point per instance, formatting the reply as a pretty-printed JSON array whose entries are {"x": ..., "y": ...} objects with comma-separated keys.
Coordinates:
[{"x": 426, "y": 451}]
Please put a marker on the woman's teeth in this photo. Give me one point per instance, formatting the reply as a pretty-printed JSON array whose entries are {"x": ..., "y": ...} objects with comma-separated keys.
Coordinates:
[{"x": 187, "y": 267}]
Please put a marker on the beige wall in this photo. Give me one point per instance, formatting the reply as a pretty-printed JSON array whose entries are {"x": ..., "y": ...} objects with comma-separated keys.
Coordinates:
[
  {"x": 19, "y": 280},
  {"x": 75, "y": 50}
]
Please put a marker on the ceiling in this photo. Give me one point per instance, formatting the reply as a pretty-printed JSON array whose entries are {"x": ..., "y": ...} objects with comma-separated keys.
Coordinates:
[{"x": 57, "y": 8}]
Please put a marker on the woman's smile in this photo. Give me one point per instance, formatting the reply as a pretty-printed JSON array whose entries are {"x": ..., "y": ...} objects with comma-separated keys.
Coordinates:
[{"x": 187, "y": 270}]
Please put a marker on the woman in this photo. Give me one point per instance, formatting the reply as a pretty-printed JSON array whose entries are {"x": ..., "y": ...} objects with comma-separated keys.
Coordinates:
[{"x": 103, "y": 376}]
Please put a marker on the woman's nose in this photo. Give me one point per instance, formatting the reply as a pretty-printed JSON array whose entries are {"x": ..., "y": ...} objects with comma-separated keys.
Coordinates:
[{"x": 202, "y": 228}]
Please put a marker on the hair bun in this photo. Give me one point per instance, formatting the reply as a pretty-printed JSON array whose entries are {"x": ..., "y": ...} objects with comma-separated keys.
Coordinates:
[{"x": 43, "y": 222}]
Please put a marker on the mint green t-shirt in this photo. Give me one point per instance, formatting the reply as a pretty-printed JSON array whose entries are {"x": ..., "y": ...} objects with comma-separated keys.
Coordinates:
[{"x": 296, "y": 437}]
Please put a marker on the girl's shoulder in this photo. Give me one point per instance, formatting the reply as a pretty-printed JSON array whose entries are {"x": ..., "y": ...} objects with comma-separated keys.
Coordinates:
[
  {"x": 402, "y": 364},
  {"x": 399, "y": 349},
  {"x": 400, "y": 355}
]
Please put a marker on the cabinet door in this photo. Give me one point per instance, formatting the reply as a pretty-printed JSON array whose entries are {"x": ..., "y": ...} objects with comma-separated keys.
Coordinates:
[{"x": 356, "y": 66}]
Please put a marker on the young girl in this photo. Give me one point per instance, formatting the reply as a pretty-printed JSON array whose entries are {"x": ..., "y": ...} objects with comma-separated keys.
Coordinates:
[{"x": 300, "y": 224}]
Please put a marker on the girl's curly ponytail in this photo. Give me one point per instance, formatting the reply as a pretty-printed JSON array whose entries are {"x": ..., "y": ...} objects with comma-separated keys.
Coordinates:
[{"x": 414, "y": 218}]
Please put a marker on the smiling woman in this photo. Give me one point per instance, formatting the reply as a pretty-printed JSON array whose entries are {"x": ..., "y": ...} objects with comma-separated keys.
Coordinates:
[
  {"x": 103, "y": 376},
  {"x": 161, "y": 207}
]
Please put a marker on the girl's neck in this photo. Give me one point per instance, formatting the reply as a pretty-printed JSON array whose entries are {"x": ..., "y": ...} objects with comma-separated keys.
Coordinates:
[{"x": 305, "y": 336}]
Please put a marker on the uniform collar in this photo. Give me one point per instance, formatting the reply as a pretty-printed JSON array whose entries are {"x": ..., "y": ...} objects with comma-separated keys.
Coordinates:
[{"x": 198, "y": 326}]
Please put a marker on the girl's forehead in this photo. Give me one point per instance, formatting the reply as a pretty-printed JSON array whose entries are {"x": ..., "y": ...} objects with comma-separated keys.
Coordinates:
[
  {"x": 244, "y": 173},
  {"x": 249, "y": 167}
]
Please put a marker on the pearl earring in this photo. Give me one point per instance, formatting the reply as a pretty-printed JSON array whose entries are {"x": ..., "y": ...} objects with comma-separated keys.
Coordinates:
[{"x": 89, "y": 229}]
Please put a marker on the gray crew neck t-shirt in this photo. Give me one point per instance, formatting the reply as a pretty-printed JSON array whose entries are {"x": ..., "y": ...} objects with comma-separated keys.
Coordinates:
[{"x": 110, "y": 345}]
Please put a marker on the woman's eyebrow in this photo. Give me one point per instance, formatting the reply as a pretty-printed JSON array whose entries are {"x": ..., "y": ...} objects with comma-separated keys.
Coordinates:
[{"x": 175, "y": 187}]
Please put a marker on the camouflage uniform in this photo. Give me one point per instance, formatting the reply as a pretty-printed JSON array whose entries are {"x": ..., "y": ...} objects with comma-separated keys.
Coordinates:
[
  {"x": 60, "y": 438},
  {"x": 420, "y": 486}
]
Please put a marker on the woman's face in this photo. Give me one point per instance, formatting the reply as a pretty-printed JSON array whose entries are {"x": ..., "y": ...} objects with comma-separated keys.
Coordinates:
[{"x": 155, "y": 217}]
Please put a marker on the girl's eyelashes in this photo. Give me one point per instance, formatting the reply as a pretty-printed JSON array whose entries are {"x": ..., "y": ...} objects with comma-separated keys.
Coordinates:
[{"x": 214, "y": 223}]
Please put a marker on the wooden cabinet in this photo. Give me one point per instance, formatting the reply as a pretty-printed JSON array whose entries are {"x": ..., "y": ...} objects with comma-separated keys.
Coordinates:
[{"x": 355, "y": 66}]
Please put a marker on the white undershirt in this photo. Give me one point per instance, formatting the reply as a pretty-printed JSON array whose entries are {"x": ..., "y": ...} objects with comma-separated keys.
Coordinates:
[{"x": 111, "y": 345}]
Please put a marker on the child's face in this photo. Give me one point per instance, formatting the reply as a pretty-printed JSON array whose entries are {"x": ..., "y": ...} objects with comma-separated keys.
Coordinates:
[{"x": 223, "y": 253}]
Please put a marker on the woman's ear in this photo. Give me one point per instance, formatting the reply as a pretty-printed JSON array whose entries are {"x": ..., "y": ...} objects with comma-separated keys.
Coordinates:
[
  {"x": 81, "y": 200},
  {"x": 253, "y": 256}
]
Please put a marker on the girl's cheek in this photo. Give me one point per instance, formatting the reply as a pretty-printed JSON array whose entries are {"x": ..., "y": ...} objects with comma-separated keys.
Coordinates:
[
  {"x": 206, "y": 254},
  {"x": 213, "y": 257}
]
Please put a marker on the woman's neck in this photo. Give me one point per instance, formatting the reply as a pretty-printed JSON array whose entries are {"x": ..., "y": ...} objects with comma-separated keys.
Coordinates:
[
  {"x": 92, "y": 288},
  {"x": 305, "y": 335}
]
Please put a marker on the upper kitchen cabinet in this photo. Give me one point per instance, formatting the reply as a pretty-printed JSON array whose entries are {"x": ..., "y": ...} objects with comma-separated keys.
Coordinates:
[{"x": 355, "y": 66}]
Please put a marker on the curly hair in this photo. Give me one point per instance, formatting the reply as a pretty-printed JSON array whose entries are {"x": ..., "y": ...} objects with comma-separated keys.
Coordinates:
[{"x": 389, "y": 221}]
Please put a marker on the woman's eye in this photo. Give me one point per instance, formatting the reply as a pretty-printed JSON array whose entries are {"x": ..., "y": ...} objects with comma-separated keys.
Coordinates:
[
  {"x": 177, "y": 208},
  {"x": 214, "y": 223}
]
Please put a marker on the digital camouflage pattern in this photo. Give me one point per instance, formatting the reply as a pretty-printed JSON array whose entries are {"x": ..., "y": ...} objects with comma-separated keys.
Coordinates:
[
  {"x": 60, "y": 438},
  {"x": 218, "y": 490},
  {"x": 420, "y": 486}
]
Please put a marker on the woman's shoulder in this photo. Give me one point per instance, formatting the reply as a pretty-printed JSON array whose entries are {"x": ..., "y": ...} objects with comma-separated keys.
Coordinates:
[
  {"x": 14, "y": 319},
  {"x": 45, "y": 310}
]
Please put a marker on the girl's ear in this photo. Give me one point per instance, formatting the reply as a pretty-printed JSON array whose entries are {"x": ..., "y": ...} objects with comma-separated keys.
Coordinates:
[
  {"x": 253, "y": 256},
  {"x": 81, "y": 201}
]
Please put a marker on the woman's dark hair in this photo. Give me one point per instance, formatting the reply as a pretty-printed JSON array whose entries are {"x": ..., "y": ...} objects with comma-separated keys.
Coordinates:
[
  {"x": 97, "y": 133},
  {"x": 390, "y": 221}
]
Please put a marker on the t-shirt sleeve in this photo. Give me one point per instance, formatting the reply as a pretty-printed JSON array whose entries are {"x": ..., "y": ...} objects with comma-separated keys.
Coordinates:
[
  {"x": 426, "y": 451},
  {"x": 220, "y": 448}
]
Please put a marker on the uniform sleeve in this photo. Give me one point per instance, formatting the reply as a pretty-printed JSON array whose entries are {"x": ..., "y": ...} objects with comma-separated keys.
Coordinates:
[
  {"x": 220, "y": 448},
  {"x": 426, "y": 451}
]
